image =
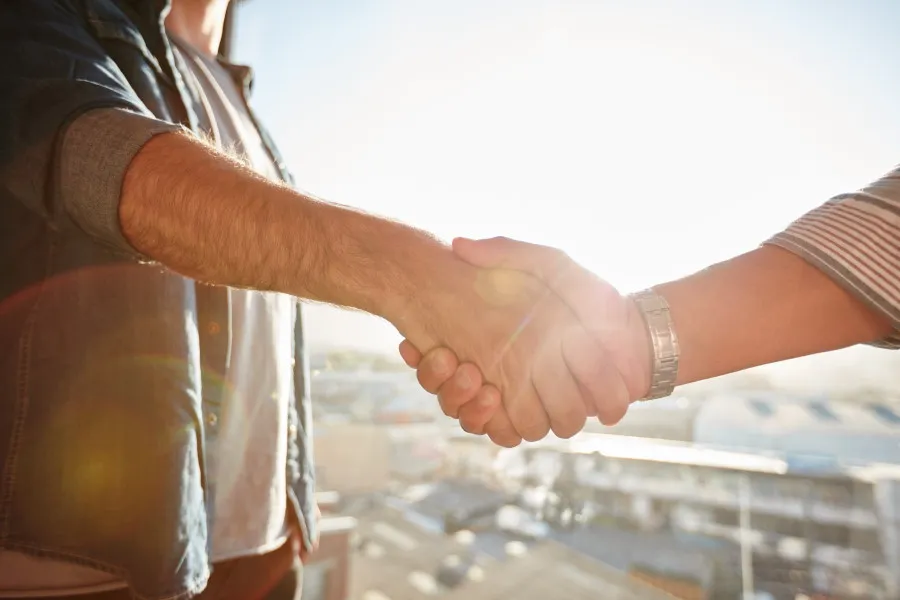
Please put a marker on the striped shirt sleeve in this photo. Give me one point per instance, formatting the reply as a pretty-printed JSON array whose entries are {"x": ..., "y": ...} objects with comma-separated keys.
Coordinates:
[{"x": 855, "y": 239}]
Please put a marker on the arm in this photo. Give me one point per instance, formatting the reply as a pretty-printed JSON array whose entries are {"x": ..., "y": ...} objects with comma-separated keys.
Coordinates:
[
  {"x": 831, "y": 280},
  {"x": 208, "y": 217},
  {"x": 766, "y": 306}
]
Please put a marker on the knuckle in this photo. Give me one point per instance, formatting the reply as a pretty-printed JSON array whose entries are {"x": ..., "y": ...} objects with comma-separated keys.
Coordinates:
[{"x": 440, "y": 363}]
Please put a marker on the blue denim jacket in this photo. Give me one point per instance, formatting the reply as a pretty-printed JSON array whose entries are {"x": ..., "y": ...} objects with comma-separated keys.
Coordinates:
[{"x": 109, "y": 367}]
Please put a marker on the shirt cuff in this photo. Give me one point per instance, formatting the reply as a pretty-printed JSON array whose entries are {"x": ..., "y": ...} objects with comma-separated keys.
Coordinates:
[
  {"x": 95, "y": 151},
  {"x": 855, "y": 240}
]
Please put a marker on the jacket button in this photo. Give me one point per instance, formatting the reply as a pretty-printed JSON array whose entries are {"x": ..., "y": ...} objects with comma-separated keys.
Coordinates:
[{"x": 212, "y": 419}]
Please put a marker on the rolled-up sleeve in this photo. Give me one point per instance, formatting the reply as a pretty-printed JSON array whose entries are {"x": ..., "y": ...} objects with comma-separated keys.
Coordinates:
[
  {"x": 61, "y": 153},
  {"x": 855, "y": 239},
  {"x": 94, "y": 154}
]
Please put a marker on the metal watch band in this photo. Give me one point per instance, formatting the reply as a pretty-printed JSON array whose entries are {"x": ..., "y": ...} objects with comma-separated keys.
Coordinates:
[{"x": 663, "y": 340}]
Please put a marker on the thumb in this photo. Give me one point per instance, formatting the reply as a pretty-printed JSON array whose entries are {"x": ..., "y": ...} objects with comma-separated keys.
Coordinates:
[
  {"x": 505, "y": 253},
  {"x": 586, "y": 294}
]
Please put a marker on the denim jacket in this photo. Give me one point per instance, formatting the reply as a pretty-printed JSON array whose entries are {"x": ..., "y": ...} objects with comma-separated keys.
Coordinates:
[{"x": 109, "y": 366}]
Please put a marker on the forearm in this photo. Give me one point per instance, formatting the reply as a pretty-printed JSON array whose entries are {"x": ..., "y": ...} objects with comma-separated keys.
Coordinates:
[
  {"x": 209, "y": 218},
  {"x": 762, "y": 307}
]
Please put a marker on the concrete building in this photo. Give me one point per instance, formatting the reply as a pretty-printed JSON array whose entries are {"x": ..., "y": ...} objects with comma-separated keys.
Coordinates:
[
  {"x": 326, "y": 574},
  {"x": 751, "y": 520},
  {"x": 352, "y": 458},
  {"x": 358, "y": 458},
  {"x": 804, "y": 428},
  {"x": 402, "y": 555}
]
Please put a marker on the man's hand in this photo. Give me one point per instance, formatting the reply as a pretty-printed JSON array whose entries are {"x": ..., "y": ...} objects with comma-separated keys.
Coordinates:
[
  {"x": 612, "y": 369},
  {"x": 459, "y": 388},
  {"x": 518, "y": 332}
]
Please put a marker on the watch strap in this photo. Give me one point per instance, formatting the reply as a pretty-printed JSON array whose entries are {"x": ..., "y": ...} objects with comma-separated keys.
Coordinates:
[{"x": 663, "y": 342}]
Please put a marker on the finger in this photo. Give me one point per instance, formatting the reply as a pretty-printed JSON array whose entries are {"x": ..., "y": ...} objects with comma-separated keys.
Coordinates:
[
  {"x": 588, "y": 296},
  {"x": 591, "y": 366},
  {"x": 436, "y": 368},
  {"x": 474, "y": 415},
  {"x": 410, "y": 354},
  {"x": 525, "y": 410},
  {"x": 559, "y": 393},
  {"x": 460, "y": 389},
  {"x": 590, "y": 409},
  {"x": 501, "y": 431}
]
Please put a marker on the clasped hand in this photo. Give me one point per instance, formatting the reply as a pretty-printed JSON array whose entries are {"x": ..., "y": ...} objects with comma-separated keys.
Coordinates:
[{"x": 582, "y": 348}]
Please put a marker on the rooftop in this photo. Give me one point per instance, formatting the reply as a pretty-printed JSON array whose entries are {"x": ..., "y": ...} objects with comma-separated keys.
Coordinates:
[{"x": 714, "y": 456}]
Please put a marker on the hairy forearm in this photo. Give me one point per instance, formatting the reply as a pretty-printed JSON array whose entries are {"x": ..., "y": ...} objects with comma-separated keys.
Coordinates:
[
  {"x": 209, "y": 218},
  {"x": 762, "y": 307}
]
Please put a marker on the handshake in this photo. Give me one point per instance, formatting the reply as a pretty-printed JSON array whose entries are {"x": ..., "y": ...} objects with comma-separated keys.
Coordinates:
[{"x": 540, "y": 345}]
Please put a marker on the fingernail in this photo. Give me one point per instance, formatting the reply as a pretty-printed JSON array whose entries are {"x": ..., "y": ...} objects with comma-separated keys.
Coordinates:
[{"x": 485, "y": 402}]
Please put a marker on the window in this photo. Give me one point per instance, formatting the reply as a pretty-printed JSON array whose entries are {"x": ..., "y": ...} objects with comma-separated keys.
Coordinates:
[
  {"x": 886, "y": 414},
  {"x": 761, "y": 407},
  {"x": 822, "y": 411}
]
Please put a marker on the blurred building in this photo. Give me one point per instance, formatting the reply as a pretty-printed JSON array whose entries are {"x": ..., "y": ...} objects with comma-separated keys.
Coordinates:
[
  {"x": 844, "y": 432},
  {"x": 372, "y": 396},
  {"x": 666, "y": 418},
  {"x": 352, "y": 458},
  {"x": 326, "y": 574},
  {"x": 404, "y": 554},
  {"x": 418, "y": 451},
  {"x": 357, "y": 458},
  {"x": 469, "y": 457},
  {"x": 721, "y": 520}
]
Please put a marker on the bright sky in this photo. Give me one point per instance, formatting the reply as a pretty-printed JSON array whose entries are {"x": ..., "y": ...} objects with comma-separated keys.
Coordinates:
[{"x": 648, "y": 138}]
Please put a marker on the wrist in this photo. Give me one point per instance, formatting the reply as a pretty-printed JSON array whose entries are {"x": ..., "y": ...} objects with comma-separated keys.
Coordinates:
[
  {"x": 640, "y": 351},
  {"x": 358, "y": 260},
  {"x": 433, "y": 291}
]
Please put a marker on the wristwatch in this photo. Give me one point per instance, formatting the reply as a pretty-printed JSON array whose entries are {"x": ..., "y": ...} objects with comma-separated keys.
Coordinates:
[{"x": 663, "y": 341}]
